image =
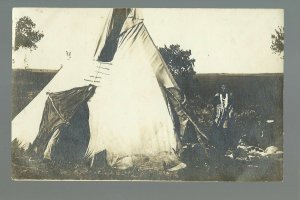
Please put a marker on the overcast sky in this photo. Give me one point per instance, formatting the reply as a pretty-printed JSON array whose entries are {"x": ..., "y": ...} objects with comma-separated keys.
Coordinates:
[{"x": 221, "y": 40}]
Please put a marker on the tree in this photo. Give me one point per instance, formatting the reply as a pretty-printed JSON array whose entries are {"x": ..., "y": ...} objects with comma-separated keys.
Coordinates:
[
  {"x": 25, "y": 35},
  {"x": 277, "y": 45},
  {"x": 180, "y": 64}
]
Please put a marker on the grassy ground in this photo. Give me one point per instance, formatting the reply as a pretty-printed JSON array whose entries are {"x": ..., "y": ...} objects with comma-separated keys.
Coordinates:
[
  {"x": 258, "y": 98},
  {"x": 238, "y": 169}
]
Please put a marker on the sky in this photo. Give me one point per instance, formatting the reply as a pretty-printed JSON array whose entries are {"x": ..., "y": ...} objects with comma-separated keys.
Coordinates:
[{"x": 221, "y": 40}]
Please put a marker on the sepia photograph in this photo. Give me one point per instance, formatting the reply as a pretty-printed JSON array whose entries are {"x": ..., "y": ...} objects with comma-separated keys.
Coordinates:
[{"x": 147, "y": 94}]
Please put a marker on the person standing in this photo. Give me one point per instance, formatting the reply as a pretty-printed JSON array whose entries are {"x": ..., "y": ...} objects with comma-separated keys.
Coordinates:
[{"x": 223, "y": 103}]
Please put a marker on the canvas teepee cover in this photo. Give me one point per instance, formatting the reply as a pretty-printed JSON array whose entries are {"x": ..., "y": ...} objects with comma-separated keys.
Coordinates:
[{"x": 135, "y": 107}]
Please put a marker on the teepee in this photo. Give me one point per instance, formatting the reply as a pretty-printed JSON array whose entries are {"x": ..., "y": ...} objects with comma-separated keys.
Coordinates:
[{"x": 122, "y": 100}]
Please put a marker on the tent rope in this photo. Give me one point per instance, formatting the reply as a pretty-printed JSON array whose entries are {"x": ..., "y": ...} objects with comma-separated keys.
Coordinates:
[
  {"x": 200, "y": 134},
  {"x": 56, "y": 110}
]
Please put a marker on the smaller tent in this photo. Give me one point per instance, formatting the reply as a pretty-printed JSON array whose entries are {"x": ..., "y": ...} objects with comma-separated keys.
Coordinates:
[{"x": 64, "y": 128}]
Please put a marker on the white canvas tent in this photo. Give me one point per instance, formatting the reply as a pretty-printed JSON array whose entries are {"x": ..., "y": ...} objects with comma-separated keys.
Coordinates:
[{"x": 136, "y": 106}]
